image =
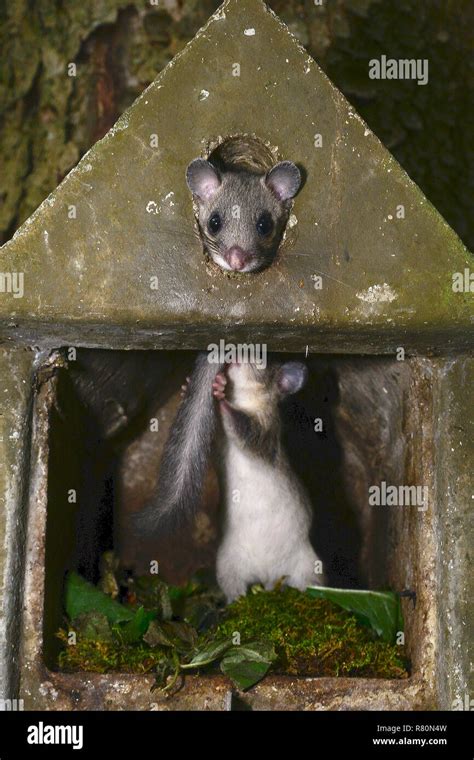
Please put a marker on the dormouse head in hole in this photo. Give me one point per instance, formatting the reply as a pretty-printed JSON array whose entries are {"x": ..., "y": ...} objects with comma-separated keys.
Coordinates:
[{"x": 242, "y": 214}]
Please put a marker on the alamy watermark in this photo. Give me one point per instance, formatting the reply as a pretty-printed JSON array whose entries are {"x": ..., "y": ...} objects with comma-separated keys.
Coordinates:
[
  {"x": 399, "y": 68},
  {"x": 12, "y": 282},
  {"x": 241, "y": 353},
  {"x": 463, "y": 282},
  {"x": 41, "y": 733},
  {"x": 11, "y": 705},
  {"x": 386, "y": 495},
  {"x": 463, "y": 703}
]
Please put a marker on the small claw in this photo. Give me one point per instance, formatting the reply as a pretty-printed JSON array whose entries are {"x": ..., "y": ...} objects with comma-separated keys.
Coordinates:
[
  {"x": 218, "y": 386},
  {"x": 220, "y": 381}
]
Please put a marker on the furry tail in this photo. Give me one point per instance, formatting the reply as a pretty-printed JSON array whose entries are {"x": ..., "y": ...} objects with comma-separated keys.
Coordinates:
[{"x": 185, "y": 457}]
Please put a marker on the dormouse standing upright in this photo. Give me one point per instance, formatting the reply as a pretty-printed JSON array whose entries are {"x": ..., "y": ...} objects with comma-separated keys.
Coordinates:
[{"x": 265, "y": 531}]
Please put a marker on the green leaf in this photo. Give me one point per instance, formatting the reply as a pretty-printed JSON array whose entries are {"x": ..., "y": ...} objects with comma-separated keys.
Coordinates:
[
  {"x": 133, "y": 630},
  {"x": 181, "y": 634},
  {"x": 245, "y": 673},
  {"x": 379, "y": 609},
  {"x": 82, "y": 596},
  {"x": 200, "y": 612},
  {"x": 177, "y": 593},
  {"x": 175, "y": 634},
  {"x": 209, "y": 653},
  {"x": 247, "y": 664},
  {"x": 259, "y": 651}
]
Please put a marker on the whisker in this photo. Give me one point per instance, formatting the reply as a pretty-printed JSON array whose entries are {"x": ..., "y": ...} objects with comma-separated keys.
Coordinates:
[
  {"x": 335, "y": 279},
  {"x": 325, "y": 274}
]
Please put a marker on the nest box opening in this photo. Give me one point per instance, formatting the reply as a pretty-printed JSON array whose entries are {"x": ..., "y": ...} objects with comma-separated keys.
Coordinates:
[
  {"x": 244, "y": 151},
  {"x": 242, "y": 198},
  {"x": 347, "y": 430}
]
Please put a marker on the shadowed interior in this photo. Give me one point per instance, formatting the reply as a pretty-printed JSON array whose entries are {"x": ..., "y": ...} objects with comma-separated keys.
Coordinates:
[{"x": 113, "y": 413}]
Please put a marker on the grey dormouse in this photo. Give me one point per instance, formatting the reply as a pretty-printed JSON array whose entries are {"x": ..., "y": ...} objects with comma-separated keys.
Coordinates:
[
  {"x": 242, "y": 214},
  {"x": 265, "y": 531}
]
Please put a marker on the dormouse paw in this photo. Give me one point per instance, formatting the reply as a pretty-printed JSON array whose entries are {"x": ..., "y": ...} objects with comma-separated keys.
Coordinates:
[
  {"x": 184, "y": 388},
  {"x": 218, "y": 386}
]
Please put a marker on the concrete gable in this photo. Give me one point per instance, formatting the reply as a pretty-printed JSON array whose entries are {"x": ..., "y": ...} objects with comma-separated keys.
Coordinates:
[{"x": 384, "y": 279}]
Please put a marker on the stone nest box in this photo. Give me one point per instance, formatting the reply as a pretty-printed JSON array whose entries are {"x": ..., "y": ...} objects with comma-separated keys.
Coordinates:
[{"x": 111, "y": 260}]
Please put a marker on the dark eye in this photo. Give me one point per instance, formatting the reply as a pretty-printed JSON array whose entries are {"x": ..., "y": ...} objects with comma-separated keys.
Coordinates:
[
  {"x": 215, "y": 223},
  {"x": 265, "y": 224}
]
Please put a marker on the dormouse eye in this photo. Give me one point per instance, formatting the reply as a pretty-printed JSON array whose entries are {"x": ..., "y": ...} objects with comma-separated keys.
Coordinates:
[
  {"x": 265, "y": 224},
  {"x": 215, "y": 222}
]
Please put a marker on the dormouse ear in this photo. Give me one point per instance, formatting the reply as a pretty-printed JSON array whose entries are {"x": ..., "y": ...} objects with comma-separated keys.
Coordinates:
[
  {"x": 284, "y": 180},
  {"x": 203, "y": 179},
  {"x": 291, "y": 377}
]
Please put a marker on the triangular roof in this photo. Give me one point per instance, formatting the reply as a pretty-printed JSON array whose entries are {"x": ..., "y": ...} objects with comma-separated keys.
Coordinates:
[{"x": 386, "y": 281}]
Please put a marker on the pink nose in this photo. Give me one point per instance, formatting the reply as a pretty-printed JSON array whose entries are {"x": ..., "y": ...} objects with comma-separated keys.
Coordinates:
[{"x": 237, "y": 258}]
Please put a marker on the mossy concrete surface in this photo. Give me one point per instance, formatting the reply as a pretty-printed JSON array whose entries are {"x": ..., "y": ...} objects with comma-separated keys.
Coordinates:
[
  {"x": 16, "y": 367},
  {"x": 455, "y": 534},
  {"x": 111, "y": 257}
]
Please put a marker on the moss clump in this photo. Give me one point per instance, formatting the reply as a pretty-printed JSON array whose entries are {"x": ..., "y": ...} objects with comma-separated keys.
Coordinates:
[
  {"x": 107, "y": 656},
  {"x": 313, "y": 636},
  {"x": 310, "y": 637}
]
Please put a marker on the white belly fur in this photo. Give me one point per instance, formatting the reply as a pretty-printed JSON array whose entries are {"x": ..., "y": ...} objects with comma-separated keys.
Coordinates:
[{"x": 266, "y": 525}]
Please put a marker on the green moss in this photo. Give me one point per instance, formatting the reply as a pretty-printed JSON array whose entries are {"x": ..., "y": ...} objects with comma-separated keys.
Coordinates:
[
  {"x": 313, "y": 636},
  {"x": 107, "y": 656}
]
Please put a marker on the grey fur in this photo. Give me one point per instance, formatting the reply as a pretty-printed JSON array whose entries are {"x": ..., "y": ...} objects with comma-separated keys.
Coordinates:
[
  {"x": 240, "y": 197},
  {"x": 185, "y": 457}
]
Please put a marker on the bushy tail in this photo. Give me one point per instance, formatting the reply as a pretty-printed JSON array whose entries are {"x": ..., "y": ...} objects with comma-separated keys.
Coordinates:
[{"x": 185, "y": 457}]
